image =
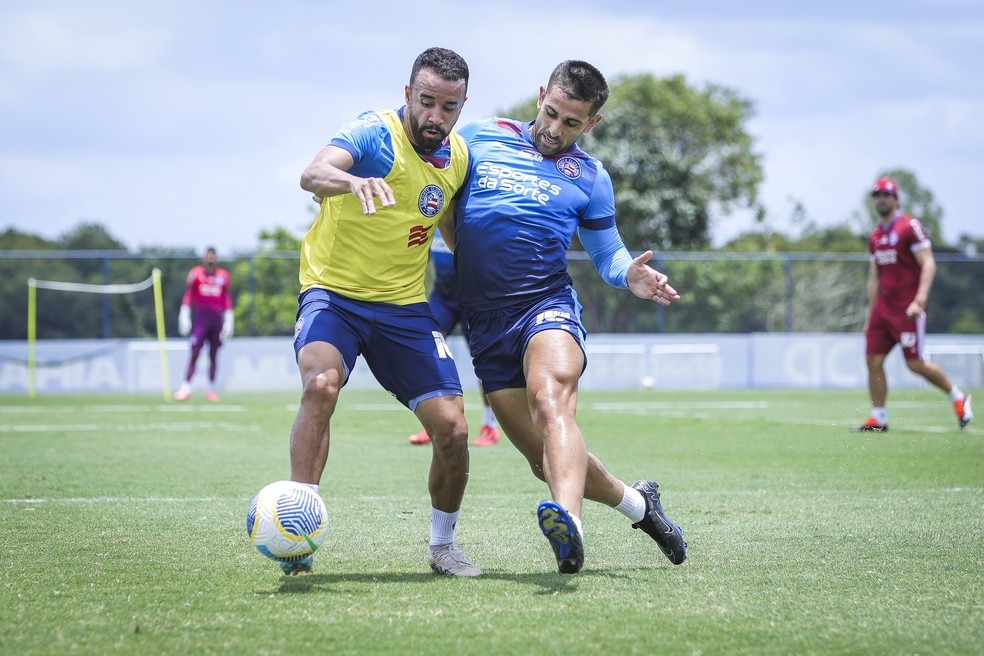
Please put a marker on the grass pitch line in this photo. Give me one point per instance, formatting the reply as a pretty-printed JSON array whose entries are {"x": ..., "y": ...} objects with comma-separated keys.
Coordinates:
[
  {"x": 129, "y": 409},
  {"x": 94, "y": 500},
  {"x": 169, "y": 427},
  {"x": 685, "y": 405},
  {"x": 364, "y": 407}
]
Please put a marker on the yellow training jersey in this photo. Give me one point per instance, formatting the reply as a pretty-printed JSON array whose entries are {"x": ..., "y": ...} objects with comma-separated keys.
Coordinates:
[{"x": 383, "y": 257}]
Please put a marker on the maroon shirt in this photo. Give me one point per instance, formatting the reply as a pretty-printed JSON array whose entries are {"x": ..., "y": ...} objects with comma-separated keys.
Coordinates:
[
  {"x": 893, "y": 249},
  {"x": 208, "y": 291}
]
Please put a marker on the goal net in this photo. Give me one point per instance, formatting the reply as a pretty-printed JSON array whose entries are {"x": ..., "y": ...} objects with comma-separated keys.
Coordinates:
[{"x": 33, "y": 285}]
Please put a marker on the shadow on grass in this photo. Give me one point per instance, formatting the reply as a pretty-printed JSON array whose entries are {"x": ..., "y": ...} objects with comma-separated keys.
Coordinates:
[{"x": 548, "y": 583}]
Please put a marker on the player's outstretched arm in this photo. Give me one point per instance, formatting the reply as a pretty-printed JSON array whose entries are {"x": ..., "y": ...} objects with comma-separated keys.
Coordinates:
[
  {"x": 646, "y": 282},
  {"x": 328, "y": 176}
]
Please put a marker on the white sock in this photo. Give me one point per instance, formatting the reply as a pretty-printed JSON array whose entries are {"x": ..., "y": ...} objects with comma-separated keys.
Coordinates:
[
  {"x": 442, "y": 527},
  {"x": 633, "y": 504},
  {"x": 880, "y": 415},
  {"x": 577, "y": 523},
  {"x": 488, "y": 417},
  {"x": 956, "y": 394}
]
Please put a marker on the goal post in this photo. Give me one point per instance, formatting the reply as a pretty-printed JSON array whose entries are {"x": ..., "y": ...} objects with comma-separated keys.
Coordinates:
[{"x": 34, "y": 284}]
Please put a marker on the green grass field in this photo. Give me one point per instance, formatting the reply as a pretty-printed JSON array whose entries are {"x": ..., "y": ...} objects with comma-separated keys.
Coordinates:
[{"x": 123, "y": 532}]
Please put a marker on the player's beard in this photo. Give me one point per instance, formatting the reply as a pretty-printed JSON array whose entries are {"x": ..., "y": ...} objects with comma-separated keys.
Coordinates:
[
  {"x": 425, "y": 142},
  {"x": 549, "y": 149}
]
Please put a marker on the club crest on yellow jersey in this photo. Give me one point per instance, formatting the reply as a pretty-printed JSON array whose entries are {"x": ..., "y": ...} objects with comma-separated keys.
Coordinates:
[{"x": 430, "y": 201}]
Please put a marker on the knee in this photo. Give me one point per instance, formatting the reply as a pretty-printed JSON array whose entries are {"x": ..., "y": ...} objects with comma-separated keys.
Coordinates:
[
  {"x": 537, "y": 469},
  {"x": 876, "y": 365},
  {"x": 450, "y": 437},
  {"x": 547, "y": 404},
  {"x": 322, "y": 388}
]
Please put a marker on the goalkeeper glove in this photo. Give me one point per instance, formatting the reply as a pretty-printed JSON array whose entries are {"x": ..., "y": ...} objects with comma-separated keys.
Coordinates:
[
  {"x": 228, "y": 325},
  {"x": 184, "y": 320}
]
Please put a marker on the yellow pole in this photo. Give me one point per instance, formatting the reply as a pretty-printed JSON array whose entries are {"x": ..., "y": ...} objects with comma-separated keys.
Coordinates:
[
  {"x": 161, "y": 337},
  {"x": 32, "y": 333}
]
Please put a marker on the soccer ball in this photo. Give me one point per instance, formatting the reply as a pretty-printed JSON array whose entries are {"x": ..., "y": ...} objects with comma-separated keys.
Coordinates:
[{"x": 287, "y": 521}]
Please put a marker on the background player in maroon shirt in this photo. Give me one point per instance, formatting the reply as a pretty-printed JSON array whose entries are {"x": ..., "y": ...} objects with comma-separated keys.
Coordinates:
[
  {"x": 900, "y": 277},
  {"x": 207, "y": 295}
]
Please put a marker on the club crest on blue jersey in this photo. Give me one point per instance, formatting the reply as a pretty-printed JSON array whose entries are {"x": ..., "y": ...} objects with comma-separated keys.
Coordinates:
[
  {"x": 569, "y": 167},
  {"x": 430, "y": 201}
]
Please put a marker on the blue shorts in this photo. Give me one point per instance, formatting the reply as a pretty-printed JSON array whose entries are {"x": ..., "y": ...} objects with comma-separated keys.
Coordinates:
[
  {"x": 402, "y": 344},
  {"x": 499, "y": 337}
]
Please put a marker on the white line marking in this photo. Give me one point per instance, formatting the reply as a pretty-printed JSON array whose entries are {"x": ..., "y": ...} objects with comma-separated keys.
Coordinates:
[
  {"x": 117, "y": 500},
  {"x": 68, "y": 409},
  {"x": 891, "y": 492},
  {"x": 171, "y": 427},
  {"x": 686, "y": 405}
]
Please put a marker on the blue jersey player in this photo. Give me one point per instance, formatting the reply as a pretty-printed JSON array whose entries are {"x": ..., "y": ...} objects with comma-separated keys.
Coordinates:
[
  {"x": 445, "y": 303},
  {"x": 529, "y": 189},
  {"x": 362, "y": 284}
]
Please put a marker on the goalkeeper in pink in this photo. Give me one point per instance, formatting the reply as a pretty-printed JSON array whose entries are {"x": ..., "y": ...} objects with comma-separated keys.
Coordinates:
[{"x": 206, "y": 313}]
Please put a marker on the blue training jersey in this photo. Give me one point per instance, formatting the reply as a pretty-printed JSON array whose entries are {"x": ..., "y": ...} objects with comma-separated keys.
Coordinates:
[
  {"x": 518, "y": 212},
  {"x": 445, "y": 279}
]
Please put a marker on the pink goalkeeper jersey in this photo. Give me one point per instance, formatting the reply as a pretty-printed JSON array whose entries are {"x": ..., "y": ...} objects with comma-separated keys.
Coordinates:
[
  {"x": 208, "y": 291},
  {"x": 893, "y": 249}
]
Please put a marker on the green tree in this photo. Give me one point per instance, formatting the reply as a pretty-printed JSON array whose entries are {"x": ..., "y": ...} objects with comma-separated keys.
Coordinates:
[
  {"x": 91, "y": 258},
  {"x": 914, "y": 199},
  {"x": 89, "y": 236},
  {"x": 266, "y": 303},
  {"x": 24, "y": 260},
  {"x": 677, "y": 155}
]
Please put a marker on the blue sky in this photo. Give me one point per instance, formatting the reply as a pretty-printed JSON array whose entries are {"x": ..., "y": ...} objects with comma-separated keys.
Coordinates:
[{"x": 187, "y": 123}]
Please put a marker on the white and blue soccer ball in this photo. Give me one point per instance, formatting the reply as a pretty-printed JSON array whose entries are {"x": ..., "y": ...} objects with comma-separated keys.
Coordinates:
[{"x": 287, "y": 521}]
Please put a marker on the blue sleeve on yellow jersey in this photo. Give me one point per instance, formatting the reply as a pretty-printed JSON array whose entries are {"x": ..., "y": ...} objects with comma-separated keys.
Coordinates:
[
  {"x": 369, "y": 142},
  {"x": 608, "y": 254}
]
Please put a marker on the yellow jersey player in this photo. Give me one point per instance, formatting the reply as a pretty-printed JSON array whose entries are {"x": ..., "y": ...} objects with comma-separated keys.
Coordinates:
[{"x": 385, "y": 180}]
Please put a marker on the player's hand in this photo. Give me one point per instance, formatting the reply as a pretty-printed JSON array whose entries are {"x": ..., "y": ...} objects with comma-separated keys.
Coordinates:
[
  {"x": 228, "y": 325},
  {"x": 646, "y": 282},
  {"x": 914, "y": 310},
  {"x": 184, "y": 320},
  {"x": 368, "y": 190}
]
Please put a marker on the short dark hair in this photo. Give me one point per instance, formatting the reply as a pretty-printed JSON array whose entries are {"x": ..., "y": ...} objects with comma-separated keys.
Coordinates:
[
  {"x": 448, "y": 64},
  {"x": 579, "y": 80}
]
